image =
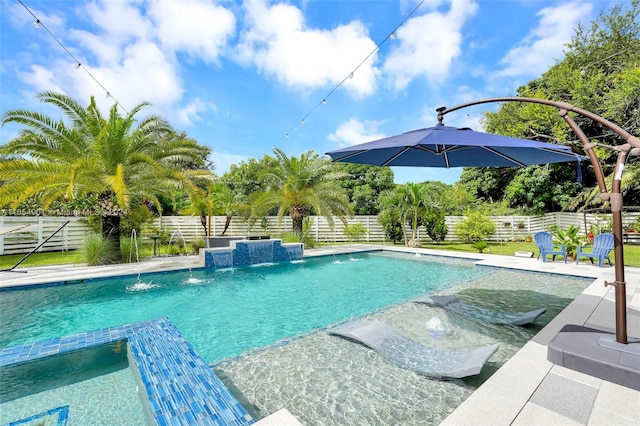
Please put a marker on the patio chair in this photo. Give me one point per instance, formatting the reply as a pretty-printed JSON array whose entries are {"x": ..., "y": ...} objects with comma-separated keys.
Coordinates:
[
  {"x": 544, "y": 241},
  {"x": 602, "y": 245}
]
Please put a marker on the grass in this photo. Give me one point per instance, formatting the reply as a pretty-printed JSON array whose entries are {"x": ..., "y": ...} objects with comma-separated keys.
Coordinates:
[{"x": 631, "y": 253}]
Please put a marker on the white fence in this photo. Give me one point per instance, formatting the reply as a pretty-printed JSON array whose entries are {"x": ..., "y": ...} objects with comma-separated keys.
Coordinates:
[{"x": 21, "y": 234}]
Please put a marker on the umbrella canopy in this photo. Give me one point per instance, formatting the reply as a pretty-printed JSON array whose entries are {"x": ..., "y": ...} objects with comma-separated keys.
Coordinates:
[{"x": 443, "y": 146}]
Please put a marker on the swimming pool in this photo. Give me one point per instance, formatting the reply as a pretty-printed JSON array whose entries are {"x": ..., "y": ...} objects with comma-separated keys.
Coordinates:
[
  {"x": 224, "y": 313},
  {"x": 326, "y": 380},
  {"x": 232, "y": 317}
]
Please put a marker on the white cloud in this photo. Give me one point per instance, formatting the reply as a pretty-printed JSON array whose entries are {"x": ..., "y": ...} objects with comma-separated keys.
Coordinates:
[
  {"x": 191, "y": 113},
  {"x": 143, "y": 74},
  {"x": 545, "y": 43},
  {"x": 198, "y": 27},
  {"x": 121, "y": 20},
  {"x": 354, "y": 131},
  {"x": 132, "y": 53},
  {"x": 41, "y": 79},
  {"x": 279, "y": 44},
  {"x": 428, "y": 44}
]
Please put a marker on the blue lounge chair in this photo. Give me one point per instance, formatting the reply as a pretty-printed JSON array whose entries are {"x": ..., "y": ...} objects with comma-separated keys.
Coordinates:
[
  {"x": 544, "y": 241},
  {"x": 602, "y": 245}
]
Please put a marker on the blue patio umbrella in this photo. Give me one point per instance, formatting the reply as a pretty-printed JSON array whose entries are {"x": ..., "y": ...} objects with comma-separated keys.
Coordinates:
[{"x": 443, "y": 146}]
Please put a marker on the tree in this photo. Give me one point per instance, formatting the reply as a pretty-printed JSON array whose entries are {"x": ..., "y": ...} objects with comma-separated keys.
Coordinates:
[
  {"x": 364, "y": 184},
  {"x": 117, "y": 158},
  {"x": 228, "y": 203},
  {"x": 390, "y": 216},
  {"x": 476, "y": 227},
  {"x": 599, "y": 73},
  {"x": 412, "y": 204},
  {"x": 300, "y": 186}
]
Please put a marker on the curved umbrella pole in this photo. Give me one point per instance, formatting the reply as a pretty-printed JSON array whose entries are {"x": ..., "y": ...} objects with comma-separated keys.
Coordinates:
[{"x": 631, "y": 146}]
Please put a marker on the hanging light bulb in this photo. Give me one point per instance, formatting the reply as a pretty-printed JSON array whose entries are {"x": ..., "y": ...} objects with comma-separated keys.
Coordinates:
[
  {"x": 392, "y": 36},
  {"x": 37, "y": 23},
  {"x": 108, "y": 95},
  {"x": 78, "y": 65},
  {"x": 351, "y": 75},
  {"x": 287, "y": 136},
  {"x": 324, "y": 101},
  {"x": 302, "y": 122}
]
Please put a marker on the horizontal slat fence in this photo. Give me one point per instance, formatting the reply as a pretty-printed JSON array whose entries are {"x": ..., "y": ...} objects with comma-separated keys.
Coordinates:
[
  {"x": 188, "y": 228},
  {"x": 21, "y": 234}
]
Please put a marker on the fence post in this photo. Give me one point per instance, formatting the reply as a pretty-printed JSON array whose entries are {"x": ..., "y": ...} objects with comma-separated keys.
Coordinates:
[
  {"x": 40, "y": 231},
  {"x": 1, "y": 236}
]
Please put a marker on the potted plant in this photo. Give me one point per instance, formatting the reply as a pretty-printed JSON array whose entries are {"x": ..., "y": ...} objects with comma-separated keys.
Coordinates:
[{"x": 528, "y": 238}]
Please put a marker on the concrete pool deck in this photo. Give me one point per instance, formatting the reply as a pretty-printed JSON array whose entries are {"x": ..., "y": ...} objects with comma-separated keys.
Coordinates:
[{"x": 527, "y": 390}]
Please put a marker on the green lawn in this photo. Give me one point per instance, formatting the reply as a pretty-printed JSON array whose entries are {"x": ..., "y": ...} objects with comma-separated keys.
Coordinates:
[{"x": 631, "y": 254}]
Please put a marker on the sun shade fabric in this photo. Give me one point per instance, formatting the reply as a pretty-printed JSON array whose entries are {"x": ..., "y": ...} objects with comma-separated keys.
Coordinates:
[
  {"x": 407, "y": 353},
  {"x": 443, "y": 146}
]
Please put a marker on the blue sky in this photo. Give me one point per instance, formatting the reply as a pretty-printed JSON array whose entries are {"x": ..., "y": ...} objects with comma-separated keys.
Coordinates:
[{"x": 241, "y": 76}]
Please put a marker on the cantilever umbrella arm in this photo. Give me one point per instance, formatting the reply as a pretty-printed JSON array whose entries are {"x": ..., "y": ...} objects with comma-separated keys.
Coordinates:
[{"x": 632, "y": 143}]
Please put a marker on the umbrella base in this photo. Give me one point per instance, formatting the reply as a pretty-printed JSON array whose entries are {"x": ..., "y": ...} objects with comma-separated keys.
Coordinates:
[{"x": 596, "y": 353}]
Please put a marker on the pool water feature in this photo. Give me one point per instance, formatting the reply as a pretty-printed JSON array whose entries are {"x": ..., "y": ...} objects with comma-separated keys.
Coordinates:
[
  {"x": 225, "y": 313},
  {"x": 252, "y": 252}
]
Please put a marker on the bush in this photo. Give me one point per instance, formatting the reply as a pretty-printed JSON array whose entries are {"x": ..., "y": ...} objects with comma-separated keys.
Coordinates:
[
  {"x": 129, "y": 253},
  {"x": 476, "y": 227},
  {"x": 305, "y": 238},
  {"x": 569, "y": 238},
  {"x": 392, "y": 225},
  {"x": 480, "y": 245},
  {"x": 99, "y": 251},
  {"x": 197, "y": 244},
  {"x": 436, "y": 228},
  {"x": 355, "y": 232}
]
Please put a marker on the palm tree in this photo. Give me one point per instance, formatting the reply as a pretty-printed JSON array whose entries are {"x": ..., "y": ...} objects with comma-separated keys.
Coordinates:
[
  {"x": 411, "y": 203},
  {"x": 229, "y": 203},
  {"x": 115, "y": 157},
  {"x": 300, "y": 186}
]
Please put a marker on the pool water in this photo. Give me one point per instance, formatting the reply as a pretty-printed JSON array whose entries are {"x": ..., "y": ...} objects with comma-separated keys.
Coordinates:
[
  {"x": 93, "y": 386},
  {"x": 326, "y": 380},
  {"x": 225, "y": 313}
]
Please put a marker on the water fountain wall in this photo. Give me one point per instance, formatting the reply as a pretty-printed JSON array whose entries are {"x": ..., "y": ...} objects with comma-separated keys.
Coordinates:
[{"x": 252, "y": 252}]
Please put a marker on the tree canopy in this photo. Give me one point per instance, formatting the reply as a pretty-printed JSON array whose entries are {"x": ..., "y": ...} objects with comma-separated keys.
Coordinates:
[
  {"x": 114, "y": 158},
  {"x": 600, "y": 73}
]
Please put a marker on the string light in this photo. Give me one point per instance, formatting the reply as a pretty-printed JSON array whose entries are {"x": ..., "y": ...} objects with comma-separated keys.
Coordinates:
[
  {"x": 38, "y": 23},
  {"x": 391, "y": 36}
]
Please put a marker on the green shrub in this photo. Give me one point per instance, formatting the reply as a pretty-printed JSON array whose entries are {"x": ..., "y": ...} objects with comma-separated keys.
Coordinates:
[
  {"x": 128, "y": 252},
  {"x": 436, "y": 228},
  {"x": 196, "y": 245},
  {"x": 305, "y": 238},
  {"x": 480, "y": 245},
  {"x": 569, "y": 238},
  {"x": 476, "y": 227},
  {"x": 355, "y": 232},
  {"x": 390, "y": 221},
  {"x": 99, "y": 251}
]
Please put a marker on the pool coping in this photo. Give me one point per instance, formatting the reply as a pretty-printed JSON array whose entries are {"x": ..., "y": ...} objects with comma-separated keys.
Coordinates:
[{"x": 179, "y": 387}]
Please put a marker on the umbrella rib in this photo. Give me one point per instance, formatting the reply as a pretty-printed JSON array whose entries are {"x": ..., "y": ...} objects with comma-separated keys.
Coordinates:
[
  {"x": 506, "y": 157},
  {"x": 353, "y": 154},
  {"x": 399, "y": 153}
]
